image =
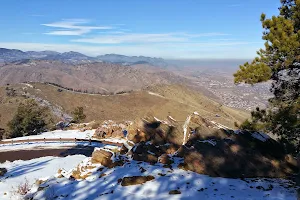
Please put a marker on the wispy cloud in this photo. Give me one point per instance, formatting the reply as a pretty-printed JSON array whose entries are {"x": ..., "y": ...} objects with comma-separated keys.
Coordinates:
[
  {"x": 144, "y": 38},
  {"x": 73, "y": 27},
  {"x": 224, "y": 39},
  {"x": 132, "y": 38},
  {"x": 116, "y": 35}
]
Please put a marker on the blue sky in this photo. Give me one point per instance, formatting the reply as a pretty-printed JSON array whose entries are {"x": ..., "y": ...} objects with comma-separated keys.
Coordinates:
[{"x": 162, "y": 28}]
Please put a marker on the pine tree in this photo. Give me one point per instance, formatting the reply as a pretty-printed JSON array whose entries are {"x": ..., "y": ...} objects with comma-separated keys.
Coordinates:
[
  {"x": 78, "y": 115},
  {"x": 30, "y": 119},
  {"x": 279, "y": 62}
]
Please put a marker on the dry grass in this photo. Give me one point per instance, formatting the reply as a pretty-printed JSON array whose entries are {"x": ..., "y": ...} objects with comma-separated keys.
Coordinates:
[
  {"x": 8, "y": 106},
  {"x": 177, "y": 101},
  {"x": 22, "y": 188}
]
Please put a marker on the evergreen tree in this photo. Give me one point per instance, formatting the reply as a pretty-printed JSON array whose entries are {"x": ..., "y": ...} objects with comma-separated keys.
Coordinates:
[
  {"x": 279, "y": 62},
  {"x": 30, "y": 119},
  {"x": 78, "y": 115}
]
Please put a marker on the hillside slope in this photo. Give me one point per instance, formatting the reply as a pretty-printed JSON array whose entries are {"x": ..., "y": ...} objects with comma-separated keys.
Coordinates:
[
  {"x": 160, "y": 101},
  {"x": 94, "y": 77}
]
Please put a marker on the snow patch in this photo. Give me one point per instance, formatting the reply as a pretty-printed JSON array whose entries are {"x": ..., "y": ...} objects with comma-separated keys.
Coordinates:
[
  {"x": 196, "y": 113},
  {"x": 32, "y": 170},
  {"x": 28, "y": 85},
  {"x": 157, "y": 119},
  {"x": 155, "y": 94},
  {"x": 185, "y": 128},
  {"x": 220, "y": 125},
  {"x": 212, "y": 142},
  {"x": 191, "y": 185},
  {"x": 172, "y": 118},
  {"x": 260, "y": 136}
]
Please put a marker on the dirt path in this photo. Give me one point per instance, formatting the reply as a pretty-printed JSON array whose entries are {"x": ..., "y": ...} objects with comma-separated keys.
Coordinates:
[{"x": 37, "y": 153}]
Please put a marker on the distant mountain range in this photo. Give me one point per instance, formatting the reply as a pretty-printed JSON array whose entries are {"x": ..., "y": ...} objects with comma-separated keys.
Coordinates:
[
  {"x": 15, "y": 55},
  {"x": 100, "y": 77}
]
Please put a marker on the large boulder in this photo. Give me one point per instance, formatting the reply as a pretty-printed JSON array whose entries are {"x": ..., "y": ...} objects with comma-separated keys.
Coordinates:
[
  {"x": 101, "y": 132},
  {"x": 234, "y": 157},
  {"x": 140, "y": 136},
  {"x": 135, "y": 180},
  {"x": 102, "y": 157},
  {"x": 126, "y": 147},
  {"x": 146, "y": 157},
  {"x": 165, "y": 159},
  {"x": 3, "y": 171},
  {"x": 146, "y": 152},
  {"x": 107, "y": 158},
  {"x": 117, "y": 133},
  {"x": 157, "y": 131}
]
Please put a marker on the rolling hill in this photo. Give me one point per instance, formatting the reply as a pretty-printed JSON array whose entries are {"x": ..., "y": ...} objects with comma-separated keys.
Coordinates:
[
  {"x": 96, "y": 77},
  {"x": 159, "y": 101}
]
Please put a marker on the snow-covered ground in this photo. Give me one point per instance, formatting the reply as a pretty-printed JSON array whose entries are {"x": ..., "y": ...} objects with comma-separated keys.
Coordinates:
[
  {"x": 19, "y": 171},
  {"x": 191, "y": 185},
  {"x": 116, "y": 140}
]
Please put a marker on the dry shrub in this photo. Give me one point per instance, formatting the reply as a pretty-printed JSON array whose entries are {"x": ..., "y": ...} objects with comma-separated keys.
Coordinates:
[{"x": 22, "y": 189}]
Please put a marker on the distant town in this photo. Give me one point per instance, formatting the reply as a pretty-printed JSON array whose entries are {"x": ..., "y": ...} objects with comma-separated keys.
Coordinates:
[{"x": 240, "y": 96}]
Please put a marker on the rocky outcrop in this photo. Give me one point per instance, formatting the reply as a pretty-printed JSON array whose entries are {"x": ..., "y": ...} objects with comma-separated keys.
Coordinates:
[
  {"x": 111, "y": 129},
  {"x": 206, "y": 148},
  {"x": 102, "y": 156},
  {"x": 165, "y": 159},
  {"x": 157, "y": 131},
  {"x": 136, "y": 180},
  {"x": 236, "y": 155},
  {"x": 126, "y": 147},
  {"x": 107, "y": 158},
  {"x": 211, "y": 148}
]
